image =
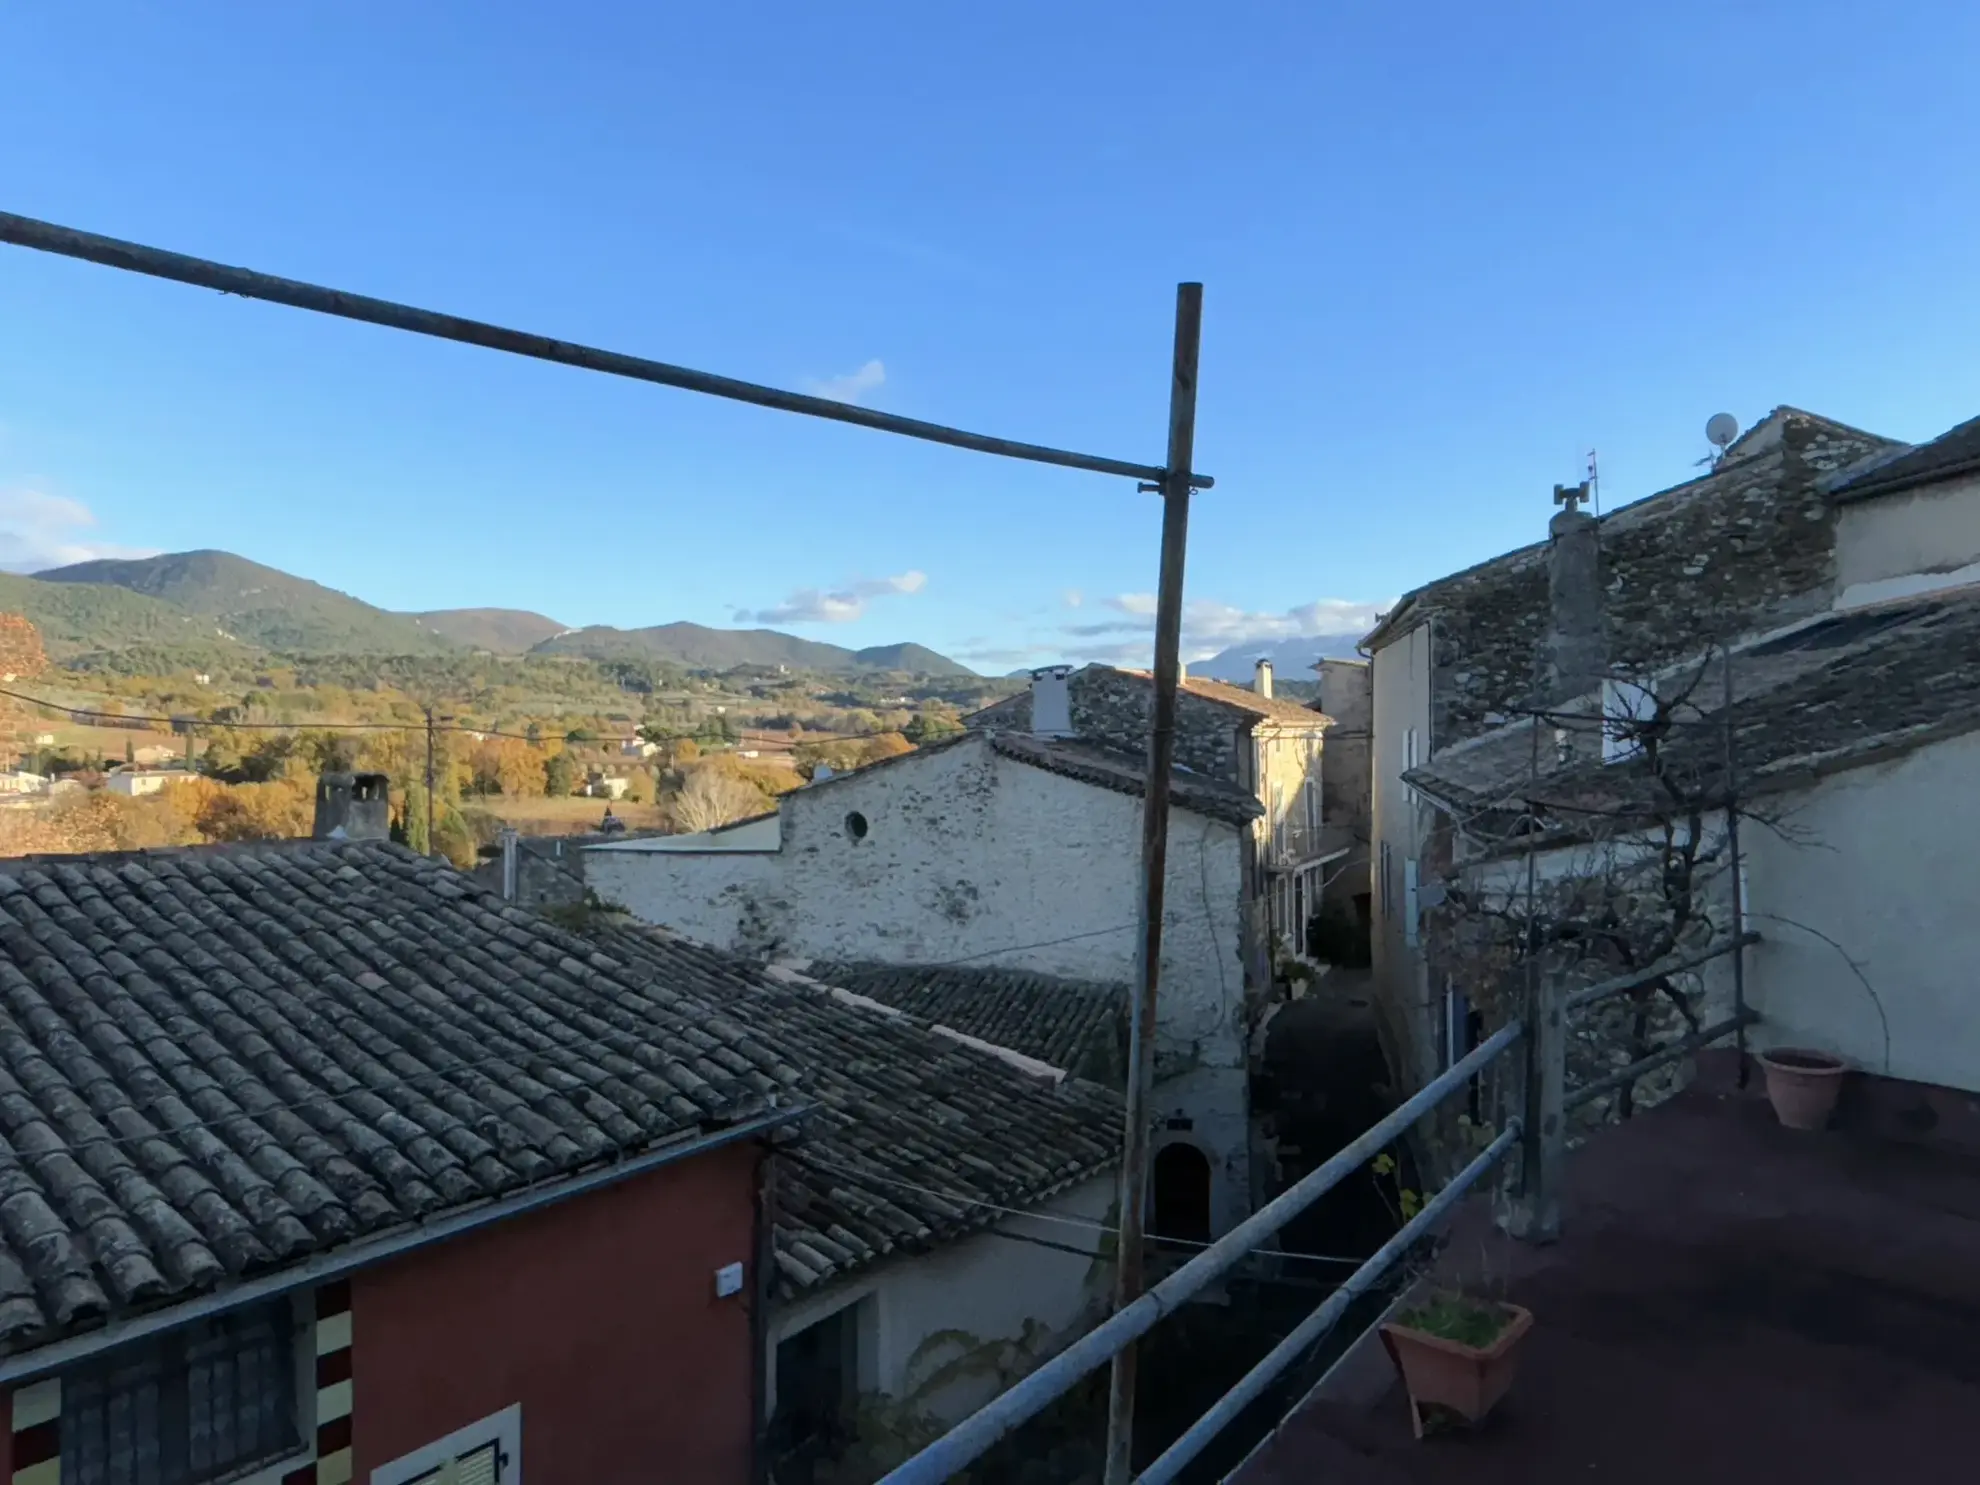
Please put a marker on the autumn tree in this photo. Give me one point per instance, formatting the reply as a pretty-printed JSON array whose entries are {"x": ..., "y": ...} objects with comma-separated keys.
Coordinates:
[
  {"x": 280, "y": 809},
  {"x": 710, "y": 797},
  {"x": 507, "y": 766},
  {"x": 559, "y": 775}
]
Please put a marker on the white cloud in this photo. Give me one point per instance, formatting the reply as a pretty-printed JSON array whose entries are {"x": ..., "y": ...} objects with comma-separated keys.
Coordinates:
[
  {"x": 1073, "y": 597},
  {"x": 1211, "y": 627},
  {"x": 836, "y": 606},
  {"x": 854, "y": 386},
  {"x": 40, "y": 531}
]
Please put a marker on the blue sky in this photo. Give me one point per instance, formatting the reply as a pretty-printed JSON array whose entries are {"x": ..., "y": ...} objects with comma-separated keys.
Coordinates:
[{"x": 1447, "y": 250}]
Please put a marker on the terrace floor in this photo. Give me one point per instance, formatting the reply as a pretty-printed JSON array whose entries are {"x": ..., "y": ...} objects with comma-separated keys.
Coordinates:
[{"x": 1729, "y": 1301}]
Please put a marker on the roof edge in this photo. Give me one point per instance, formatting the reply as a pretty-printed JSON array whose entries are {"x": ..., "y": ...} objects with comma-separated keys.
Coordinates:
[{"x": 38, "y": 1361}]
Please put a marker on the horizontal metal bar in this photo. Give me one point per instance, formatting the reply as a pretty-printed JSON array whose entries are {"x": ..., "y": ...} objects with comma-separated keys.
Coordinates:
[
  {"x": 1178, "y": 1455},
  {"x": 1589, "y": 1092},
  {"x": 968, "y": 1440},
  {"x": 1677, "y": 964},
  {"x": 111, "y": 252}
]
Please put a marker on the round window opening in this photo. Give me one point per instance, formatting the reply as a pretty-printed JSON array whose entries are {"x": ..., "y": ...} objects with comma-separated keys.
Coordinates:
[{"x": 856, "y": 825}]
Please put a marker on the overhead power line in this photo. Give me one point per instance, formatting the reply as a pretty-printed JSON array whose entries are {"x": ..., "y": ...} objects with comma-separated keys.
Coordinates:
[{"x": 121, "y": 719}]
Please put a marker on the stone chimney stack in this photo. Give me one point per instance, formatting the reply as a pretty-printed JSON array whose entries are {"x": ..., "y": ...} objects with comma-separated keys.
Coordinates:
[
  {"x": 1051, "y": 702},
  {"x": 1576, "y": 660},
  {"x": 353, "y": 806},
  {"x": 1261, "y": 678}
]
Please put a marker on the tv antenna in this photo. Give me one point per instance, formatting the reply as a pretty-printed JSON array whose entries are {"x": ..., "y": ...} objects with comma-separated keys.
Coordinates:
[{"x": 1720, "y": 430}]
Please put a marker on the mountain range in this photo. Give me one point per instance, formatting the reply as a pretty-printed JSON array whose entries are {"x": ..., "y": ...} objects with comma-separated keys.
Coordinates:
[
  {"x": 1292, "y": 659},
  {"x": 215, "y": 599}
]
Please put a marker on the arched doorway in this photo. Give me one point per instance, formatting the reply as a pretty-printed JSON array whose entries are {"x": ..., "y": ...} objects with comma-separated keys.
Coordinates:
[{"x": 1182, "y": 1194}]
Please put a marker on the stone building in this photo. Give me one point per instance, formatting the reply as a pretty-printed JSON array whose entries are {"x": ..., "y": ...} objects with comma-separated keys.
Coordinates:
[
  {"x": 1014, "y": 852},
  {"x": 1838, "y": 714},
  {"x": 1347, "y": 699},
  {"x": 1267, "y": 745},
  {"x": 1750, "y": 545}
]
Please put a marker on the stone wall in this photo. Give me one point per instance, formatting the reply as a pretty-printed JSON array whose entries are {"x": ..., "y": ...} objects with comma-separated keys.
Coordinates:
[
  {"x": 961, "y": 855},
  {"x": 1747, "y": 546}
]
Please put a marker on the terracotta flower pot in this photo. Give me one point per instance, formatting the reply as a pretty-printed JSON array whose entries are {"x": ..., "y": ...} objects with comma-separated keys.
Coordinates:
[
  {"x": 1448, "y": 1375},
  {"x": 1802, "y": 1085}
]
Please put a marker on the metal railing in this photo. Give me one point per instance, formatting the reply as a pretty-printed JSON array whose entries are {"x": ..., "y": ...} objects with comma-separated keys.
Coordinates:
[{"x": 1539, "y": 1129}]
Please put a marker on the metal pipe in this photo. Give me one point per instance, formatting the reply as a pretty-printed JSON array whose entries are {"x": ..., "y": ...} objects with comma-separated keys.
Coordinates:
[
  {"x": 1677, "y": 964},
  {"x": 364, "y": 1254},
  {"x": 1738, "y": 872},
  {"x": 1589, "y": 1092},
  {"x": 1308, "y": 1331},
  {"x": 111, "y": 252},
  {"x": 1131, "y": 1252},
  {"x": 968, "y": 1440}
]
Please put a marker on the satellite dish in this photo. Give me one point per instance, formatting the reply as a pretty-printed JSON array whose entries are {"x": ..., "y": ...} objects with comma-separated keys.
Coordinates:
[{"x": 1721, "y": 429}]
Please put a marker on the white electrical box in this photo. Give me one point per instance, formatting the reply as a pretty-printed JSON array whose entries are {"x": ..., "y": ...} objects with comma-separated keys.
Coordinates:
[{"x": 728, "y": 1280}]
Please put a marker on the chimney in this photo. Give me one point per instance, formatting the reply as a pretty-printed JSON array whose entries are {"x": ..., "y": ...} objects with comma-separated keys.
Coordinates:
[
  {"x": 1577, "y": 656},
  {"x": 353, "y": 806},
  {"x": 511, "y": 843},
  {"x": 1261, "y": 678},
  {"x": 1051, "y": 702}
]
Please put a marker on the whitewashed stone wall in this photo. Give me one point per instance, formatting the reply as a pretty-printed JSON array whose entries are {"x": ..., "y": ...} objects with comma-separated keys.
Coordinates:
[{"x": 970, "y": 856}]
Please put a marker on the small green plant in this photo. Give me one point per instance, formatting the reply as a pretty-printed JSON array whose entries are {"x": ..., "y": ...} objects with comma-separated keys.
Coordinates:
[
  {"x": 1405, "y": 1203},
  {"x": 1452, "y": 1316}
]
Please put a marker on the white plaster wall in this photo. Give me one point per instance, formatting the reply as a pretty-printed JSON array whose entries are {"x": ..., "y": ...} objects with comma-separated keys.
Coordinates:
[
  {"x": 1865, "y": 916},
  {"x": 986, "y": 1287},
  {"x": 1400, "y": 673},
  {"x": 1934, "y": 530},
  {"x": 975, "y": 857},
  {"x": 1216, "y": 1102},
  {"x": 701, "y": 894},
  {"x": 1887, "y": 875}
]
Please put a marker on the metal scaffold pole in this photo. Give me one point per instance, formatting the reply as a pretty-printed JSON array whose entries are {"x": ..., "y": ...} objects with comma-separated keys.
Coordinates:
[{"x": 1154, "y": 858}]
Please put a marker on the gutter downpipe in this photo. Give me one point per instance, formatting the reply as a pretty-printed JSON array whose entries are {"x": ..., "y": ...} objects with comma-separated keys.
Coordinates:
[
  {"x": 64, "y": 1353},
  {"x": 968, "y": 1440}
]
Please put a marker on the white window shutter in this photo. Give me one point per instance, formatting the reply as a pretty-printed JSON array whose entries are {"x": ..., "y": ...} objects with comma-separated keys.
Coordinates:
[{"x": 1409, "y": 902}]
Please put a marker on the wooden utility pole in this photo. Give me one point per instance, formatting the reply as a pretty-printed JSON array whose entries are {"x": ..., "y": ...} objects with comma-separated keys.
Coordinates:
[
  {"x": 429, "y": 782},
  {"x": 1175, "y": 488}
]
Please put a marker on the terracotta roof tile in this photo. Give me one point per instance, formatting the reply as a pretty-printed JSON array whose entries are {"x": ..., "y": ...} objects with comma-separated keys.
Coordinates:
[{"x": 225, "y": 1061}]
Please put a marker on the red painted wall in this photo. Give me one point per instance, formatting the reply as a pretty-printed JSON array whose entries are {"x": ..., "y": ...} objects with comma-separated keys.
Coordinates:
[{"x": 598, "y": 1315}]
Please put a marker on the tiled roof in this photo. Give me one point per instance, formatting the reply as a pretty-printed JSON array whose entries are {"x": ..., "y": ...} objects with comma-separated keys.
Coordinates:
[
  {"x": 1837, "y": 693},
  {"x": 1076, "y": 1025},
  {"x": 219, "y": 1062},
  {"x": 1750, "y": 544},
  {"x": 1015, "y": 711},
  {"x": 1243, "y": 699},
  {"x": 1953, "y": 453},
  {"x": 1126, "y": 774},
  {"x": 907, "y": 1120}
]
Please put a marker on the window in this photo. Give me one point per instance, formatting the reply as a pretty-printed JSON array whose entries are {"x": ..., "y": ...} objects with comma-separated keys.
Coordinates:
[
  {"x": 1311, "y": 791},
  {"x": 1409, "y": 903},
  {"x": 856, "y": 825},
  {"x": 484, "y": 1453},
  {"x": 204, "y": 1402},
  {"x": 1626, "y": 706},
  {"x": 1279, "y": 817},
  {"x": 1382, "y": 884}
]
